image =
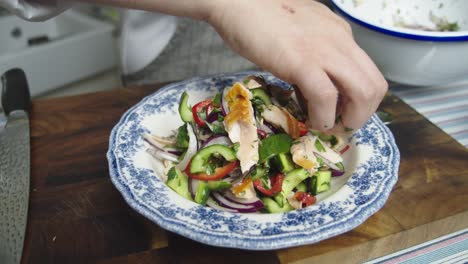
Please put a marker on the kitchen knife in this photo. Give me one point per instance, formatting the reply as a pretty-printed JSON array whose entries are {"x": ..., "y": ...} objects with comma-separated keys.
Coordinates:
[{"x": 14, "y": 166}]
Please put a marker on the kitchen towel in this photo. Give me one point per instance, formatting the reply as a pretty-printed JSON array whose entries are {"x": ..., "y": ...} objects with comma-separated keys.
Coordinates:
[
  {"x": 446, "y": 106},
  {"x": 449, "y": 249}
]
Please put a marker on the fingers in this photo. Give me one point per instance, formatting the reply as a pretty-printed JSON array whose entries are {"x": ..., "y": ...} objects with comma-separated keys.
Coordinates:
[
  {"x": 312, "y": 48},
  {"x": 321, "y": 96},
  {"x": 356, "y": 91},
  {"x": 360, "y": 84},
  {"x": 379, "y": 85},
  {"x": 349, "y": 85}
]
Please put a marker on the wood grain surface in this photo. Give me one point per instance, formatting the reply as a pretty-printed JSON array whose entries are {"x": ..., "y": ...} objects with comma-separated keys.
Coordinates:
[{"x": 77, "y": 216}]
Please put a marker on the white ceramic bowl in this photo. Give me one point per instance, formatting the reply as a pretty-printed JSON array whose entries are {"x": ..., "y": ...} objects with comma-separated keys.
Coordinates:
[{"x": 393, "y": 33}]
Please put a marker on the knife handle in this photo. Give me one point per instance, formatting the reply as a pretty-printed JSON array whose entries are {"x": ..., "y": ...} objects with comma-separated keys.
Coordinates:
[{"x": 15, "y": 92}]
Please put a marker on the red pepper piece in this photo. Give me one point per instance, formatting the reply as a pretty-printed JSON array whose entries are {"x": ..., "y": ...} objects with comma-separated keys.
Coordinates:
[
  {"x": 305, "y": 198},
  {"x": 218, "y": 174},
  {"x": 262, "y": 133},
  {"x": 344, "y": 149},
  {"x": 276, "y": 185},
  {"x": 303, "y": 130},
  {"x": 199, "y": 107}
]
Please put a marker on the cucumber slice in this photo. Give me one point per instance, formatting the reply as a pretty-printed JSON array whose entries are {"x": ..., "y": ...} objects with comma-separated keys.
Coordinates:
[
  {"x": 313, "y": 185},
  {"x": 258, "y": 172},
  {"x": 200, "y": 160},
  {"x": 272, "y": 207},
  {"x": 185, "y": 110},
  {"x": 301, "y": 187},
  {"x": 260, "y": 94},
  {"x": 292, "y": 179},
  {"x": 283, "y": 162},
  {"x": 202, "y": 194},
  {"x": 323, "y": 181},
  {"x": 218, "y": 185},
  {"x": 178, "y": 182}
]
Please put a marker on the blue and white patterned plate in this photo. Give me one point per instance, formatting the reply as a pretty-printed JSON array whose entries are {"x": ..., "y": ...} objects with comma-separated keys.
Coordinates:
[{"x": 372, "y": 169}]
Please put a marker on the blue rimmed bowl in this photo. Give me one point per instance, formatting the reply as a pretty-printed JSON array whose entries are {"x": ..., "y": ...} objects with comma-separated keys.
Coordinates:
[
  {"x": 406, "y": 41},
  {"x": 371, "y": 162}
]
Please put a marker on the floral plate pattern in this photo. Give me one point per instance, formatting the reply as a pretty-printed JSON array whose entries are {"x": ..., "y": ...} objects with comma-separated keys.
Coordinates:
[{"x": 372, "y": 164}]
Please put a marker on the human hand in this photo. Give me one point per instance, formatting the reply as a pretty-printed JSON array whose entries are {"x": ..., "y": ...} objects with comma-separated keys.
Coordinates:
[{"x": 303, "y": 42}]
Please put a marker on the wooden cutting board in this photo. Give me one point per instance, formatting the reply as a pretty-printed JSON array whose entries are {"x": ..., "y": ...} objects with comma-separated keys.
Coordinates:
[{"x": 77, "y": 216}]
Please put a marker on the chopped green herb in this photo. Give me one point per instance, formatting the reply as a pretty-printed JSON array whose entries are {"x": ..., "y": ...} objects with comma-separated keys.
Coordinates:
[
  {"x": 236, "y": 146},
  {"x": 266, "y": 182},
  {"x": 182, "y": 138},
  {"x": 448, "y": 27},
  {"x": 217, "y": 100},
  {"x": 210, "y": 168},
  {"x": 257, "y": 101},
  {"x": 319, "y": 146},
  {"x": 274, "y": 145},
  {"x": 340, "y": 165},
  {"x": 217, "y": 127},
  {"x": 259, "y": 172},
  {"x": 320, "y": 161}
]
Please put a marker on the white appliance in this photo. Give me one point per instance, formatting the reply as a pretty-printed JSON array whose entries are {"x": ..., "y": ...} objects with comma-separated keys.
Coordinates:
[{"x": 56, "y": 52}]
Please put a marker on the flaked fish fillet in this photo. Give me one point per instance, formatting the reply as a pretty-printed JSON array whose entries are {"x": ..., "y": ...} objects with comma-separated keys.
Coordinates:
[
  {"x": 280, "y": 117},
  {"x": 240, "y": 125}
]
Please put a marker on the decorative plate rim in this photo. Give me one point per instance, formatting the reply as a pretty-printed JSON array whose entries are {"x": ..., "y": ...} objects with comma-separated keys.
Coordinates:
[{"x": 269, "y": 242}]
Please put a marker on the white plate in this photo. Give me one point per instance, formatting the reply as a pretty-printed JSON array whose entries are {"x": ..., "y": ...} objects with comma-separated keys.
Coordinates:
[{"x": 372, "y": 169}]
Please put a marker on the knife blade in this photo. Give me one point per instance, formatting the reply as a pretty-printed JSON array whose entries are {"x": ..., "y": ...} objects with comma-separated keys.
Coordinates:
[{"x": 14, "y": 166}]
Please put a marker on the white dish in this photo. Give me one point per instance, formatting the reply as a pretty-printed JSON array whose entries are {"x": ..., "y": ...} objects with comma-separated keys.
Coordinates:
[
  {"x": 385, "y": 29},
  {"x": 372, "y": 167}
]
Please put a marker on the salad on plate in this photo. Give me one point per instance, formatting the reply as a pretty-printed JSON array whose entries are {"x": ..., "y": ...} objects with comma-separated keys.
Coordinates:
[{"x": 248, "y": 150}]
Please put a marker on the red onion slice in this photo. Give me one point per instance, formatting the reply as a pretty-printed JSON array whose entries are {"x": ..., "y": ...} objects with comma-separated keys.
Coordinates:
[
  {"x": 149, "y": 138},
  {"x": 255, "y": 202},
  {"x": 212, "y": 117},
  {"x": 217, "y": 139},
  {"x": 191, "y": 150},
  {"x": 174, "y": 152},
  {"x": 327, "y": 162},
  {"x": 337, "y": 173},
  {"x": 213, "y": 204},
  {"x": 272, "y": 128},
  {"x": 242, "y": 208},
  {"x": 235, "y": 174},
  {"x": 158, "y": 152},
  {"x": 161, "y": 155},
  {"x": 193, "y": 186},
  {"x": 265, "y": 128}
]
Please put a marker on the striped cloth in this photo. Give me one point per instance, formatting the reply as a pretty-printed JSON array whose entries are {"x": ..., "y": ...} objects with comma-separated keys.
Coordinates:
[
  {"x": 2, "y": 121},
  {"x": 450, "y": 249},
  {"x": 445, "y": 106}
]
